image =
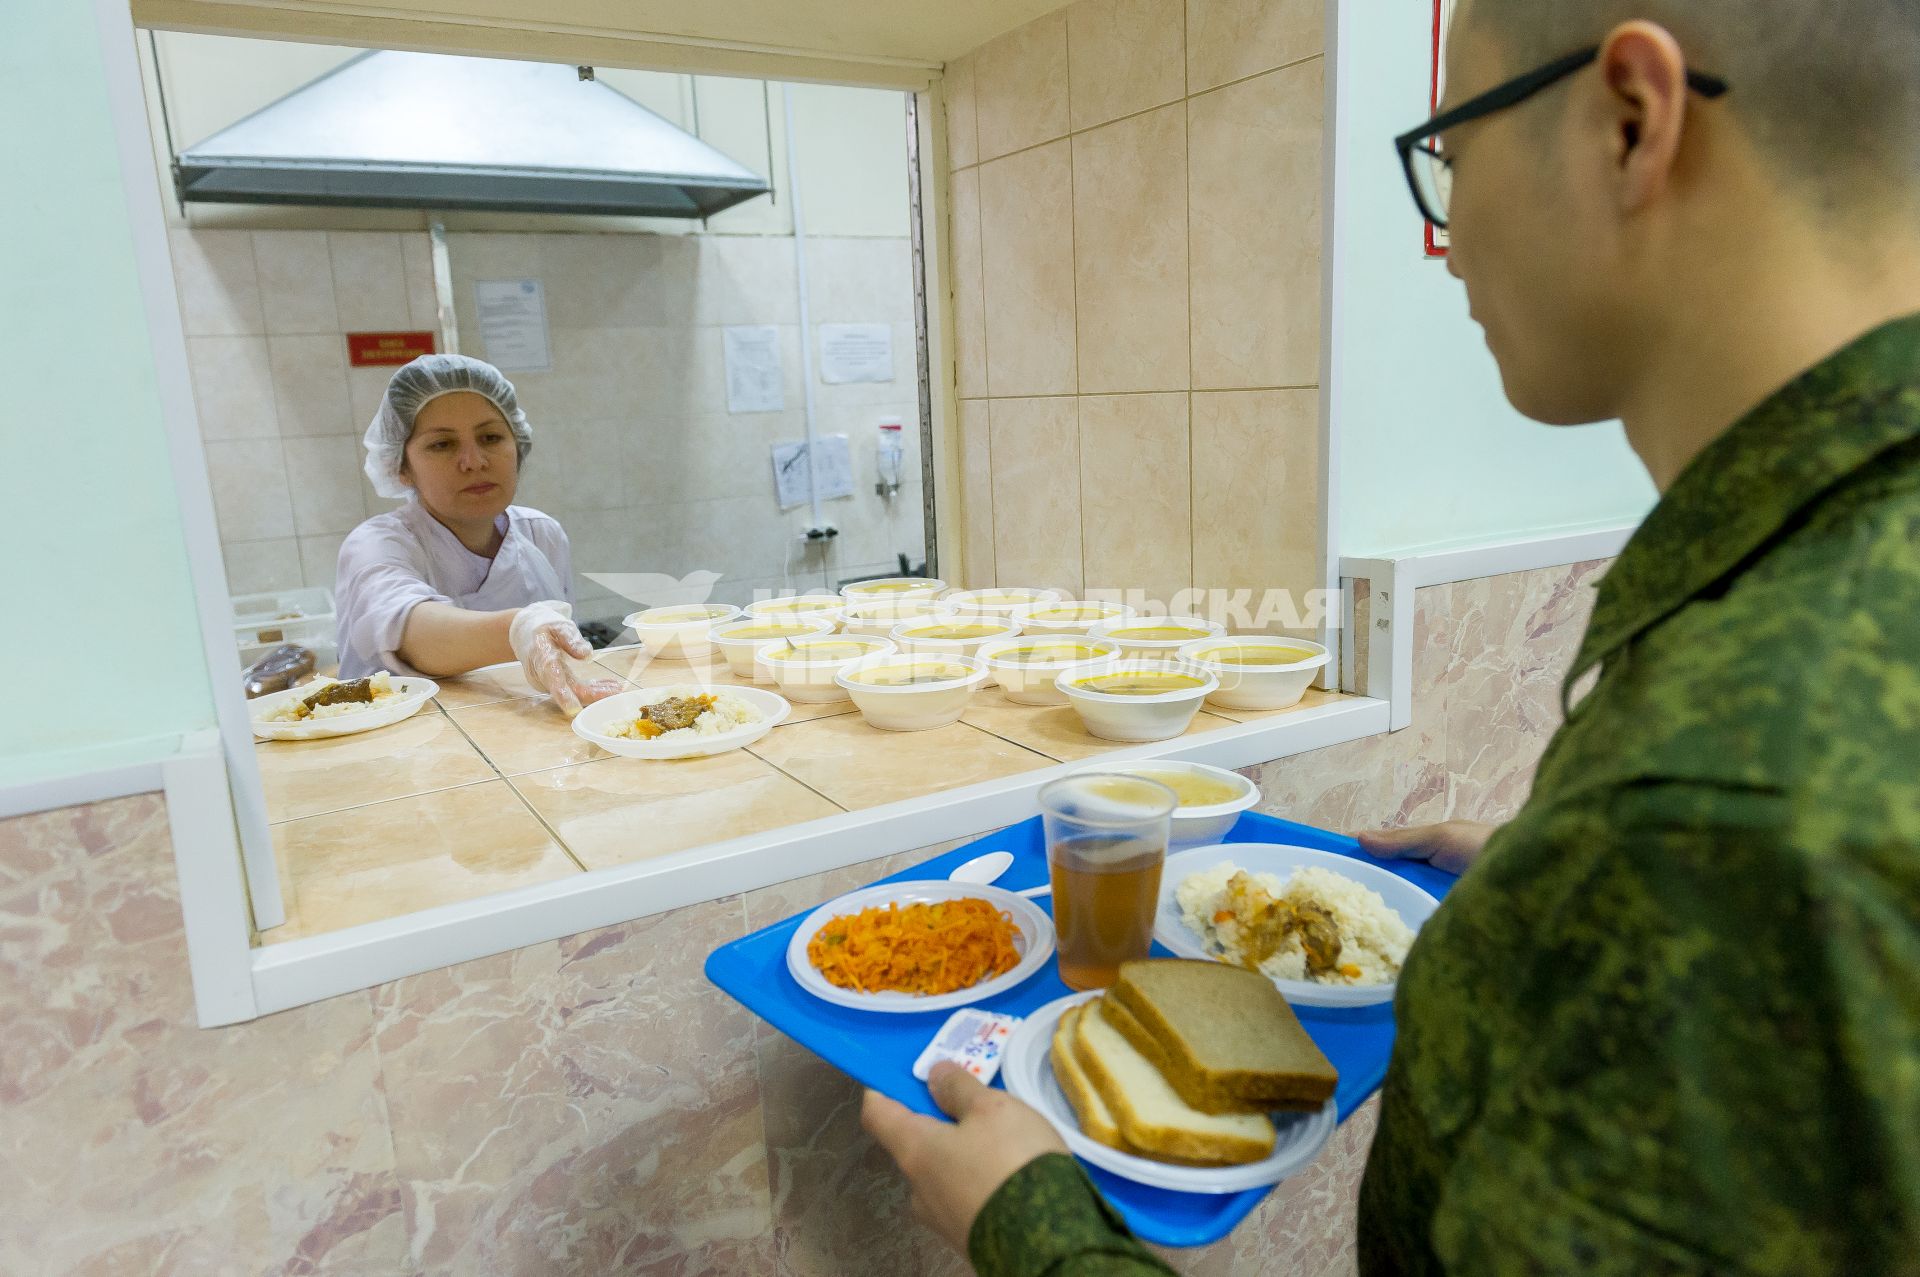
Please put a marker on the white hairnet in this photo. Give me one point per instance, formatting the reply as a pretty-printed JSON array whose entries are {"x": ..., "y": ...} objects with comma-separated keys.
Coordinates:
[{"x": 416, "y": 385}]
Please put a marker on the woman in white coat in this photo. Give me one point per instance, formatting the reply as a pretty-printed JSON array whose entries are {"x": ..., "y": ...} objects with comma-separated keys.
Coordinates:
[{"x": 458, "y": 577}]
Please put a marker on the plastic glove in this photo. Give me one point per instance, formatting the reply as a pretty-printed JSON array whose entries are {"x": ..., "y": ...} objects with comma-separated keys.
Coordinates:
[{"x": 543, "y": 636}]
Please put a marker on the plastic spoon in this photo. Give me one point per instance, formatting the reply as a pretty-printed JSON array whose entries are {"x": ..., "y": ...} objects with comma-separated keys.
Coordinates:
[{"x": 987, "y": 868}]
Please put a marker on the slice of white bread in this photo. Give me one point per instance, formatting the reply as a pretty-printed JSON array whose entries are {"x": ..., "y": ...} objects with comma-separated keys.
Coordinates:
[
  {"x": 1151, "y": 1116},
  {"x": 1227, "y": 1040},
  {"x": 1096, "y": 1119}
]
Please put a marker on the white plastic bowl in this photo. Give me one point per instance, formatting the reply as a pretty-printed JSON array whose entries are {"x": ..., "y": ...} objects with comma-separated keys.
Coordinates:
[
  {"x": 1194, "y": 627},
  {"x": 681, "y": 632},
  {"x": 914, "y": 707},
  {"x": 818, "y": 607},
  {"x": 998, "y": 601},
  {"x": 1195, "y": 826},
  {"x": 877, "y": 617},
  {"x": 591, "y": 723},
  {"x": 805, "y": 668},
  {"x": 912, "y": 636},
  {"x": 1257, "y": 686},
  {"x": 893, "y": 587},
  {"x": 1136, "y": 719},
  {"x": 1031, "y": 681},
  {"x": 1068, "y": 616},
  {"x": 739, "y": 647}
]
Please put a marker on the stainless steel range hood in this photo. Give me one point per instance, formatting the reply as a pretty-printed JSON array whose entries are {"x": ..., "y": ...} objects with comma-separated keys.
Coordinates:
[{"x": 429, "y": 131}]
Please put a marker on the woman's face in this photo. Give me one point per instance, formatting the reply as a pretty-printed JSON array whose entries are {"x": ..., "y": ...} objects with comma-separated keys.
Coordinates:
[{"x": 461, "y": 457}]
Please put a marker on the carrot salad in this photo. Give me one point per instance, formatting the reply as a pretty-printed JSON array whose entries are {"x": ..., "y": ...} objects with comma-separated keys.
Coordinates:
[{"x": 923, "y": 948}]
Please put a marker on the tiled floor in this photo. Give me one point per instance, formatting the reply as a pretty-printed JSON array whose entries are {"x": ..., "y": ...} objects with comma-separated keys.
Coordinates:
[{"x": 489, "y": 789}]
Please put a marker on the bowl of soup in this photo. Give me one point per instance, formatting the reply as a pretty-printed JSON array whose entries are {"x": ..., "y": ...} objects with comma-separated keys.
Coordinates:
[
  {"x": 805, "y": 668},
  {"x": 998, "y": 600},
  {"x": 951, "y": 633},
  {"x": 740, "y": 640},
  {"x": 1135, "y": 699},
  {"x": 1028, "y": 667},
  {"x": 815, "y": 607},
  {"x": 877, "y": 617},
  {"x": 912, "y": 691},
  {"x": 893, "y": 587},
  {"x": 1068, "y": 616},
  {"x": 1257, "y": 671},
  {"x": 1156, "y": 635},
  {"x": 680, "y": 633},
  {"x": 1211, "y": 798}
]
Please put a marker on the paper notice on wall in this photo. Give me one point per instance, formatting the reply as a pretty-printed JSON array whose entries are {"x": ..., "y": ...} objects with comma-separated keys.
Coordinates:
[
  {"x": 832, "y": 462},
  {"x": 754, "y": 383},
  {"x": 513, "y": 324},
  {"x": 855, "y": 352}
]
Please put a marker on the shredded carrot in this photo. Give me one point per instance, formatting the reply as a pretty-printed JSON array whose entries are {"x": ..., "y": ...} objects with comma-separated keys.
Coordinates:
[{"x": 923, "y": 948}]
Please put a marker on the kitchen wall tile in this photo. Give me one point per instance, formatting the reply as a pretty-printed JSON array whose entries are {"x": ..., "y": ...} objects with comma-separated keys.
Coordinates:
[
  {"x": 232, "y": 387},
  {"x": 320, "y": 559},
  {"x": 324, "y": 483},
  {"x": 366, "y": 387},
  {"x": 969, "y": 297},
  {"x": 1136, "y": 521},
  {"x": 1130, "y": 252},
  {"x": 1124, "y": 56},
  {"x": 859, "y": 281},
  {"x": 250, "y": 489},
  {"x": 1036, "y": 493},
  {"x": 296, "y": 281},
  {"x": 369, "y": 280},
  {"x": 1256, "y": 498},
  {"x": 1232, "y": 39},
  {"x": 1254, "y": 225},
  {"x": 218, "y": 283},
  {"x": 1026, "y": 230},
  {"x": 975, "y": 514},
  {"x": 423, "y": 301},
  {"x": 255, "y": 567},
  {"x": 310, "y": 391},
  {"x": 1020, "y": 87},
  {"x": 743, "y": 279},
  {"x": 963, "y": 133},
  {"x": 616, "y": 281}
]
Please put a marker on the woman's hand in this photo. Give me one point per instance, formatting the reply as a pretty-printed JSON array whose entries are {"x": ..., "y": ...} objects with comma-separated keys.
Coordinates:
[
  {"x": 954, "y": 1167},
  {"x": 1450, "y": 846},
  {"x": 544, "y": 637}
]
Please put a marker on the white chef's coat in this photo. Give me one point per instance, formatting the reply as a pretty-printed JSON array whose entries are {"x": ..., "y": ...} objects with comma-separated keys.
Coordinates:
[{"x": 396, "y": 560}]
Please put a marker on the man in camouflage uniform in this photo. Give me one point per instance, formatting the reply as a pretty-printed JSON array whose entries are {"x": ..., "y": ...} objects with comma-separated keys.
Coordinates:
[{"x": 1669, "y": 1020}]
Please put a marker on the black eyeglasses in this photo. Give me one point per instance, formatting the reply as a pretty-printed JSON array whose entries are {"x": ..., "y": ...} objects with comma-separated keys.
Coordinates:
[{"x": 1430, "y": 173}]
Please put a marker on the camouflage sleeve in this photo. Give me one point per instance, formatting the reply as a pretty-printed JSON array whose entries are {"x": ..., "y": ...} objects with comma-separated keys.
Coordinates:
[{"x": 1048, "y": 1220}]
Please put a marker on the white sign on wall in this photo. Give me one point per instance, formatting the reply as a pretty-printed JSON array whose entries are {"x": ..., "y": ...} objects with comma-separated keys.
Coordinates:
[
  {"x": 832, "y": 470},
  {"x": 856, "y": 352},
  {"x": 754, "y": 381},
  {"x": 513, "y": 324}
]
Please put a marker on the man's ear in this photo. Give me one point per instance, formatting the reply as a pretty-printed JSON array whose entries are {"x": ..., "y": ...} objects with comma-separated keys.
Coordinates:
[{"x": 1645, "y": 74}]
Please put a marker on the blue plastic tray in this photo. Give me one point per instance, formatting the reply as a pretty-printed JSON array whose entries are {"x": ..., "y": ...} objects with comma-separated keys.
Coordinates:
[{"x": 879, "y": 1050}]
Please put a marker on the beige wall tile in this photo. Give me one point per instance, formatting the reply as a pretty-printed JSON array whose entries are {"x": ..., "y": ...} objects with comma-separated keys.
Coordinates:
[
  {"x": 296, "y": 281},
  {"x": 320, "y": 559},
  {"x": 369, "y": 280},
  {"x": 1256, "y": 503},
  {"x": 976, "y": 495},
  {"x": 1026, "y": 232},
  {"x": 310, "y": 385},
  {"x": 1135, "y": 518},
  {"x": 249, "y": 478},
  {"x": 1231, "y": 39},
  {"x": 1254, "y": 227},
  {"x": 1036, "y": 493},
  {"x": 1124, "y": 56},
  {"x": 1130, "y": 252},
  {"x": 1020, "y": 87},
  {"x": 851, "y": 280},
  {"x": 218, "y": 284},
  {"x": 423, "y": 302},
  {"x": 255, "y": 567},
  {"x": 963, "y": 132},
  {"x": 366, "y": 387},
  {"x": 969, "y": 301},
  {"x": 232, "y": 387},
  {"x": 323, "y": 479}
]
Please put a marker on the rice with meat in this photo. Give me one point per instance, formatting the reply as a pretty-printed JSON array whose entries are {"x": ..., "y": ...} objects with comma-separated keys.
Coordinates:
[
  {"x": 297, "y": 710},
  {"x": 1317, "y": 926},
  {"x": 722, "y": 712}
]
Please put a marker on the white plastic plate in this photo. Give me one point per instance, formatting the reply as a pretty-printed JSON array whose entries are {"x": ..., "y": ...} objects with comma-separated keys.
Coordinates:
[
  {"x": 409, "y": 695},
  {"x": 1033, "y": 940},
  {"x": 1027, "y": 1070},
  {"x": 591, "y": 723},
  {"x": 1412, "y": 904}
]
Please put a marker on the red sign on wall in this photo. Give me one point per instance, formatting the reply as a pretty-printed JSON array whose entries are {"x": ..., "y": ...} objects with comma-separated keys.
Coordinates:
[{"x": 375, "y": 350}]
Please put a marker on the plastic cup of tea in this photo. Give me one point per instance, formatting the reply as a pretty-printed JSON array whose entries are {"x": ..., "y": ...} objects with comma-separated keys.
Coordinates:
[{"x": 1106, "y": 836}]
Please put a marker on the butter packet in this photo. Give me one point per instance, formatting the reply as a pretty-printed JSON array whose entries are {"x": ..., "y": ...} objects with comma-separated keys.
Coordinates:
[{"x": 973, "y": 1039}]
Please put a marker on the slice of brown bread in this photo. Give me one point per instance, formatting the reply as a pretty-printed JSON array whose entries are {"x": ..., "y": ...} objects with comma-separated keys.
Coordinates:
[{"x": 1228, "y": 1042}]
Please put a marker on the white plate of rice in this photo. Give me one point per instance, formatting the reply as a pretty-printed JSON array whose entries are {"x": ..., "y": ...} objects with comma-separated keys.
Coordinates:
[
  {"x": 736, "y": 717},
  {"x": 278, "y": 715},
  {"x": 1377, "y": 915}
]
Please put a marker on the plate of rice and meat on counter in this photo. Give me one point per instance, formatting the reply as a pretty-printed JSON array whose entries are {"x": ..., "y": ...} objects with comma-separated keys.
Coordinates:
[
  {"x": 333, "y": 707},
  {"x": 1327, "y": 929},
  {"x": 682, "y": 721}
]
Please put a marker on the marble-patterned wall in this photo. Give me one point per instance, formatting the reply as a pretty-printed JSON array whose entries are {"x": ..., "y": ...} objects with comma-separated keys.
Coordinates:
[{"x": 591, "y": 1105}]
